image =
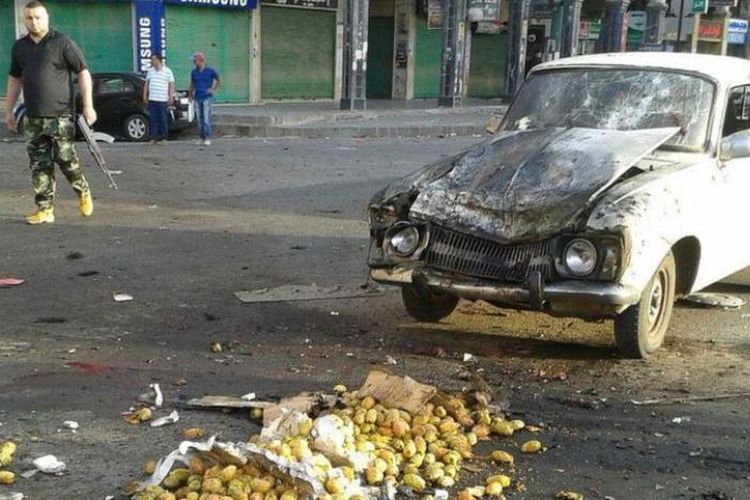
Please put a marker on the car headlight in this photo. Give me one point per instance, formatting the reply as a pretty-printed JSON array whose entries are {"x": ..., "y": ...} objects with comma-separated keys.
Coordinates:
[
  {"x": 404, "y": 240},
  {"x": 580, "y": 257}
]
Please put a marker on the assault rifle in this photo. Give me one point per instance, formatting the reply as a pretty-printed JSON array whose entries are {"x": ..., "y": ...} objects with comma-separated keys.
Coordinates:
[{"x": 91, "y": 138}]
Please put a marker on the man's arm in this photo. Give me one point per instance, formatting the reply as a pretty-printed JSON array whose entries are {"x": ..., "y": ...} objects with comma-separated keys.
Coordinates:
[
  {"x": 216, "y": 82},
  {"x": 13, "y": 91},
  {"x": 171, "y": 93},
  {"x": 87, "y": 95},
  {"x": 191, "y": 89}
]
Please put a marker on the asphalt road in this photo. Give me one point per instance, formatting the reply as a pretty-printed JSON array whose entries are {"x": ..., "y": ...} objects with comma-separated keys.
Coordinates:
[{"x": 190, "y": 226}]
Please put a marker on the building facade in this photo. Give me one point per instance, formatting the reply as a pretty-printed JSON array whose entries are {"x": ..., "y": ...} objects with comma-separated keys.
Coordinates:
[{"x": 294, "y": 49}]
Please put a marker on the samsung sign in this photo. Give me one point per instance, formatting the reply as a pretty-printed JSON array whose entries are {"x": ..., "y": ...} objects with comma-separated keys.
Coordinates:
[{"x": 149, "y": 32}]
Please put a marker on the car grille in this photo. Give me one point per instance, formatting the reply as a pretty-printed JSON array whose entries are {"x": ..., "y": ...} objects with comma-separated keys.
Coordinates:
[{"x": 472, "y": 256}]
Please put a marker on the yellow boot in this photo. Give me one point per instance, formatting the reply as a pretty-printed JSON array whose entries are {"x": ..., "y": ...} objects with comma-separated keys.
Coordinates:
[
  {"x": 41, "y": 216},
  {"x": 86, "y": 204}
]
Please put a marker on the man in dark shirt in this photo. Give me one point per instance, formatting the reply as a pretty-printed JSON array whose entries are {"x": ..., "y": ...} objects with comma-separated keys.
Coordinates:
[{"x": 42, "y": 63}]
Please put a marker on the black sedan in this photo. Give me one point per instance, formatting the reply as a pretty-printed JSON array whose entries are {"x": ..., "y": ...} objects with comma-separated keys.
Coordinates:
[{"x": 120, "y": 109}]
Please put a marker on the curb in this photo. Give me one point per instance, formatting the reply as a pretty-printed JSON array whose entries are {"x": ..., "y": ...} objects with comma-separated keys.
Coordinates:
[{"x": 373, "y": 132}]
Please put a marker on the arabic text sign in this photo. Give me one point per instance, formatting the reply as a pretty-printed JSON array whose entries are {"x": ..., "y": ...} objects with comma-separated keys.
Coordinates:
[
  {"x": 710, "y": 31},
  {"x": 699, "y": 7},
  {"x": 737, "y": 32}
]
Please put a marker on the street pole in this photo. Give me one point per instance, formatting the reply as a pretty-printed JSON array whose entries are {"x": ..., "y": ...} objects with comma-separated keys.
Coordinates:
[
  {"x": 570, "y": 27},
  {"x": 655, "y": 18},
  {"x": 518, "y": 29},
  {"x": 354, "y": 95},
  {"x": 696, "y": 31},
  {"x": 725, "y": 29},
  {"x": 614, "y": 26},
  {"x": 454, "y": 53}
]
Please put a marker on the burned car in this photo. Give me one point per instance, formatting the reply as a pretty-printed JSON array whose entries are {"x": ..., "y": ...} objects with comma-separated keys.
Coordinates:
[{"x": 608, "y": 191}]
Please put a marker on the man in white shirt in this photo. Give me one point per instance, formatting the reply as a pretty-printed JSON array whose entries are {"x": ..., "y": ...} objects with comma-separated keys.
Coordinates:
[{"x": 158, "y": 93}]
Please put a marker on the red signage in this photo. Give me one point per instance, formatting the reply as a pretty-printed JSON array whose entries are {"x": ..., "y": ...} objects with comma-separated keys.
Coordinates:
[{"x": 710, "y": 30}]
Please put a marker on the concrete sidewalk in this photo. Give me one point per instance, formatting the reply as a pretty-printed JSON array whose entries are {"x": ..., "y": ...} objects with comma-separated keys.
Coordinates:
[
  {"x": 383, "y": 118},
  {"x": 315, "y": 119}
]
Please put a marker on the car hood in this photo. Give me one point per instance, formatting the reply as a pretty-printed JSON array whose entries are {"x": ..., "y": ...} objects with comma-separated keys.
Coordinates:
[{"x": 528, "y": 184}]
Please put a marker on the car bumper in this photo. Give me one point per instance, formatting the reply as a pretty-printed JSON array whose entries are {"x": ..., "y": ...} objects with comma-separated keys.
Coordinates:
[{"x": 587, "y": 299}]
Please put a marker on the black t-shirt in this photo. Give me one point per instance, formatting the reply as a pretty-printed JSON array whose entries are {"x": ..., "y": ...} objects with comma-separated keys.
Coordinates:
[{"x": 45, "y": 69}]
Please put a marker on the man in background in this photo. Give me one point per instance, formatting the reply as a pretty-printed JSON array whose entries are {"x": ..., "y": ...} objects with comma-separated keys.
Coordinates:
[
  {"x": 158, "y": 94},
  {"x": 204, "y": 81},
  {"x": 42, "y": 64}
]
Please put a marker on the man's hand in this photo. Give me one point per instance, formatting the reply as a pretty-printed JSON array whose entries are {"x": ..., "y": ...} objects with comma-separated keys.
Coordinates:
[
  {"x": 10, "y": 121},
  {"x": 89, "y": 114}
]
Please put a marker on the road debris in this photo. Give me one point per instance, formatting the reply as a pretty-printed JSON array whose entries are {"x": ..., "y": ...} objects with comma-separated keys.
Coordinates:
[
  {"x": 10, "y": 282},
  {"x": 191, "y": 434},
  {"x": 153, "y": 396},
  {"x": 290, "y": 293},
  {"x": 169, "y": 419},
  {"x": 49, "y": 464},
  {"x": 138, "y": 416},
  {"x": 391, "y": 438},
  {"x": 687, "y": 399},
  {"x": 7, "y": 477},
  {"x": 122, "y": 297},
  {"x": 12, "y": 496},
  {"x": 216, "y": 347},
  {"x": 568, "y": 495},
  {"x": 227, "y": 402},
  {"x": 716, "y": 300},
  {"x": 71, "y": 424},
  {"x": 390, "y": 360}
]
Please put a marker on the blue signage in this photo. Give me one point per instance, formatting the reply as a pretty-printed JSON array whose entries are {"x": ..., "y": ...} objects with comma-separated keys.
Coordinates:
[{"x": 150, "y": 32}]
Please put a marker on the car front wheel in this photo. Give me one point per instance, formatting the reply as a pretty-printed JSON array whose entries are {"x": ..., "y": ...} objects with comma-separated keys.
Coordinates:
[
  {"x": 640, "y": 329},
  {"x": 21, "y": 124},
  {"x": 427, "y": 306},
  {"x": 135, "y": 127}
]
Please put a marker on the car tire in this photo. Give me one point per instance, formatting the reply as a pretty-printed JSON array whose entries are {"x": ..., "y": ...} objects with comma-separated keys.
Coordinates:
[
  {"x": 135, "y": 127},
  {"x": 640, "y": 329},
  {"x": 427, "y": 306},
  {"x": 21, "y": 124}
]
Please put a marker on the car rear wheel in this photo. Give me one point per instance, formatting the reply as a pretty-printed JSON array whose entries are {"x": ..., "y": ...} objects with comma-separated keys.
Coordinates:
[
  {"x": 135, "y": 127},
  {"x": 427, "y": 306},
  {"x": 640, "y": 329}
]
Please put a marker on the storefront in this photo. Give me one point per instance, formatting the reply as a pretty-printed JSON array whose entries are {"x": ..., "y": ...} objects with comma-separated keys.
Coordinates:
[
  {"x": 222, "y": 34},
  {"x": 298, "y": 49},
  {"x": 7, "y": 36},
  {"x": 103, "y": 31}
]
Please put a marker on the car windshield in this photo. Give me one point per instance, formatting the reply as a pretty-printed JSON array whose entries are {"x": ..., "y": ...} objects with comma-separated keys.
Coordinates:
[{"x": 619, "y": 99}]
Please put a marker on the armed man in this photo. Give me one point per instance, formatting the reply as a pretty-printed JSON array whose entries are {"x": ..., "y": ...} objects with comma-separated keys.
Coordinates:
[{"x": 42, "y": 65}]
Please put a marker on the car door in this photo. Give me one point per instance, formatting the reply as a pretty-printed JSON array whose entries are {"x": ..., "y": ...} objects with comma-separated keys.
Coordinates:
[
  {"x": 113, "y": 96},
  {"x": 736, "y": 177}
]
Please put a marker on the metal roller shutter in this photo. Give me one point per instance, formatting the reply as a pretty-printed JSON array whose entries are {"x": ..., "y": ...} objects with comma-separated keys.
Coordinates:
[
  {"x": 222, "y": 35},
  {"x": 7, "y": 37},
  {"x": 298, "y": 53},
  {"x": 103, "y": 31}
]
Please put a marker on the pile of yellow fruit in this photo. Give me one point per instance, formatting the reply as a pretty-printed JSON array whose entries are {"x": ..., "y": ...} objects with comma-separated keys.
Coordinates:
[{"x": 379, "y": 447}]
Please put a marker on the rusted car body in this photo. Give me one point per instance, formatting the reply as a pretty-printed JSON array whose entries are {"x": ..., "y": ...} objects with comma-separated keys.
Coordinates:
[{"x": 611, "y": 188}]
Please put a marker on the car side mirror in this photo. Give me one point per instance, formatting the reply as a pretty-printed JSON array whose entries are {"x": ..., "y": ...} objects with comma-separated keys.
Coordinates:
[{"x": 735, "y": 146}]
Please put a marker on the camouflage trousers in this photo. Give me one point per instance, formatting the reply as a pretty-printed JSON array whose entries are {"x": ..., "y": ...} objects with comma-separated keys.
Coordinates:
[{"x": 50, "y": 141}]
